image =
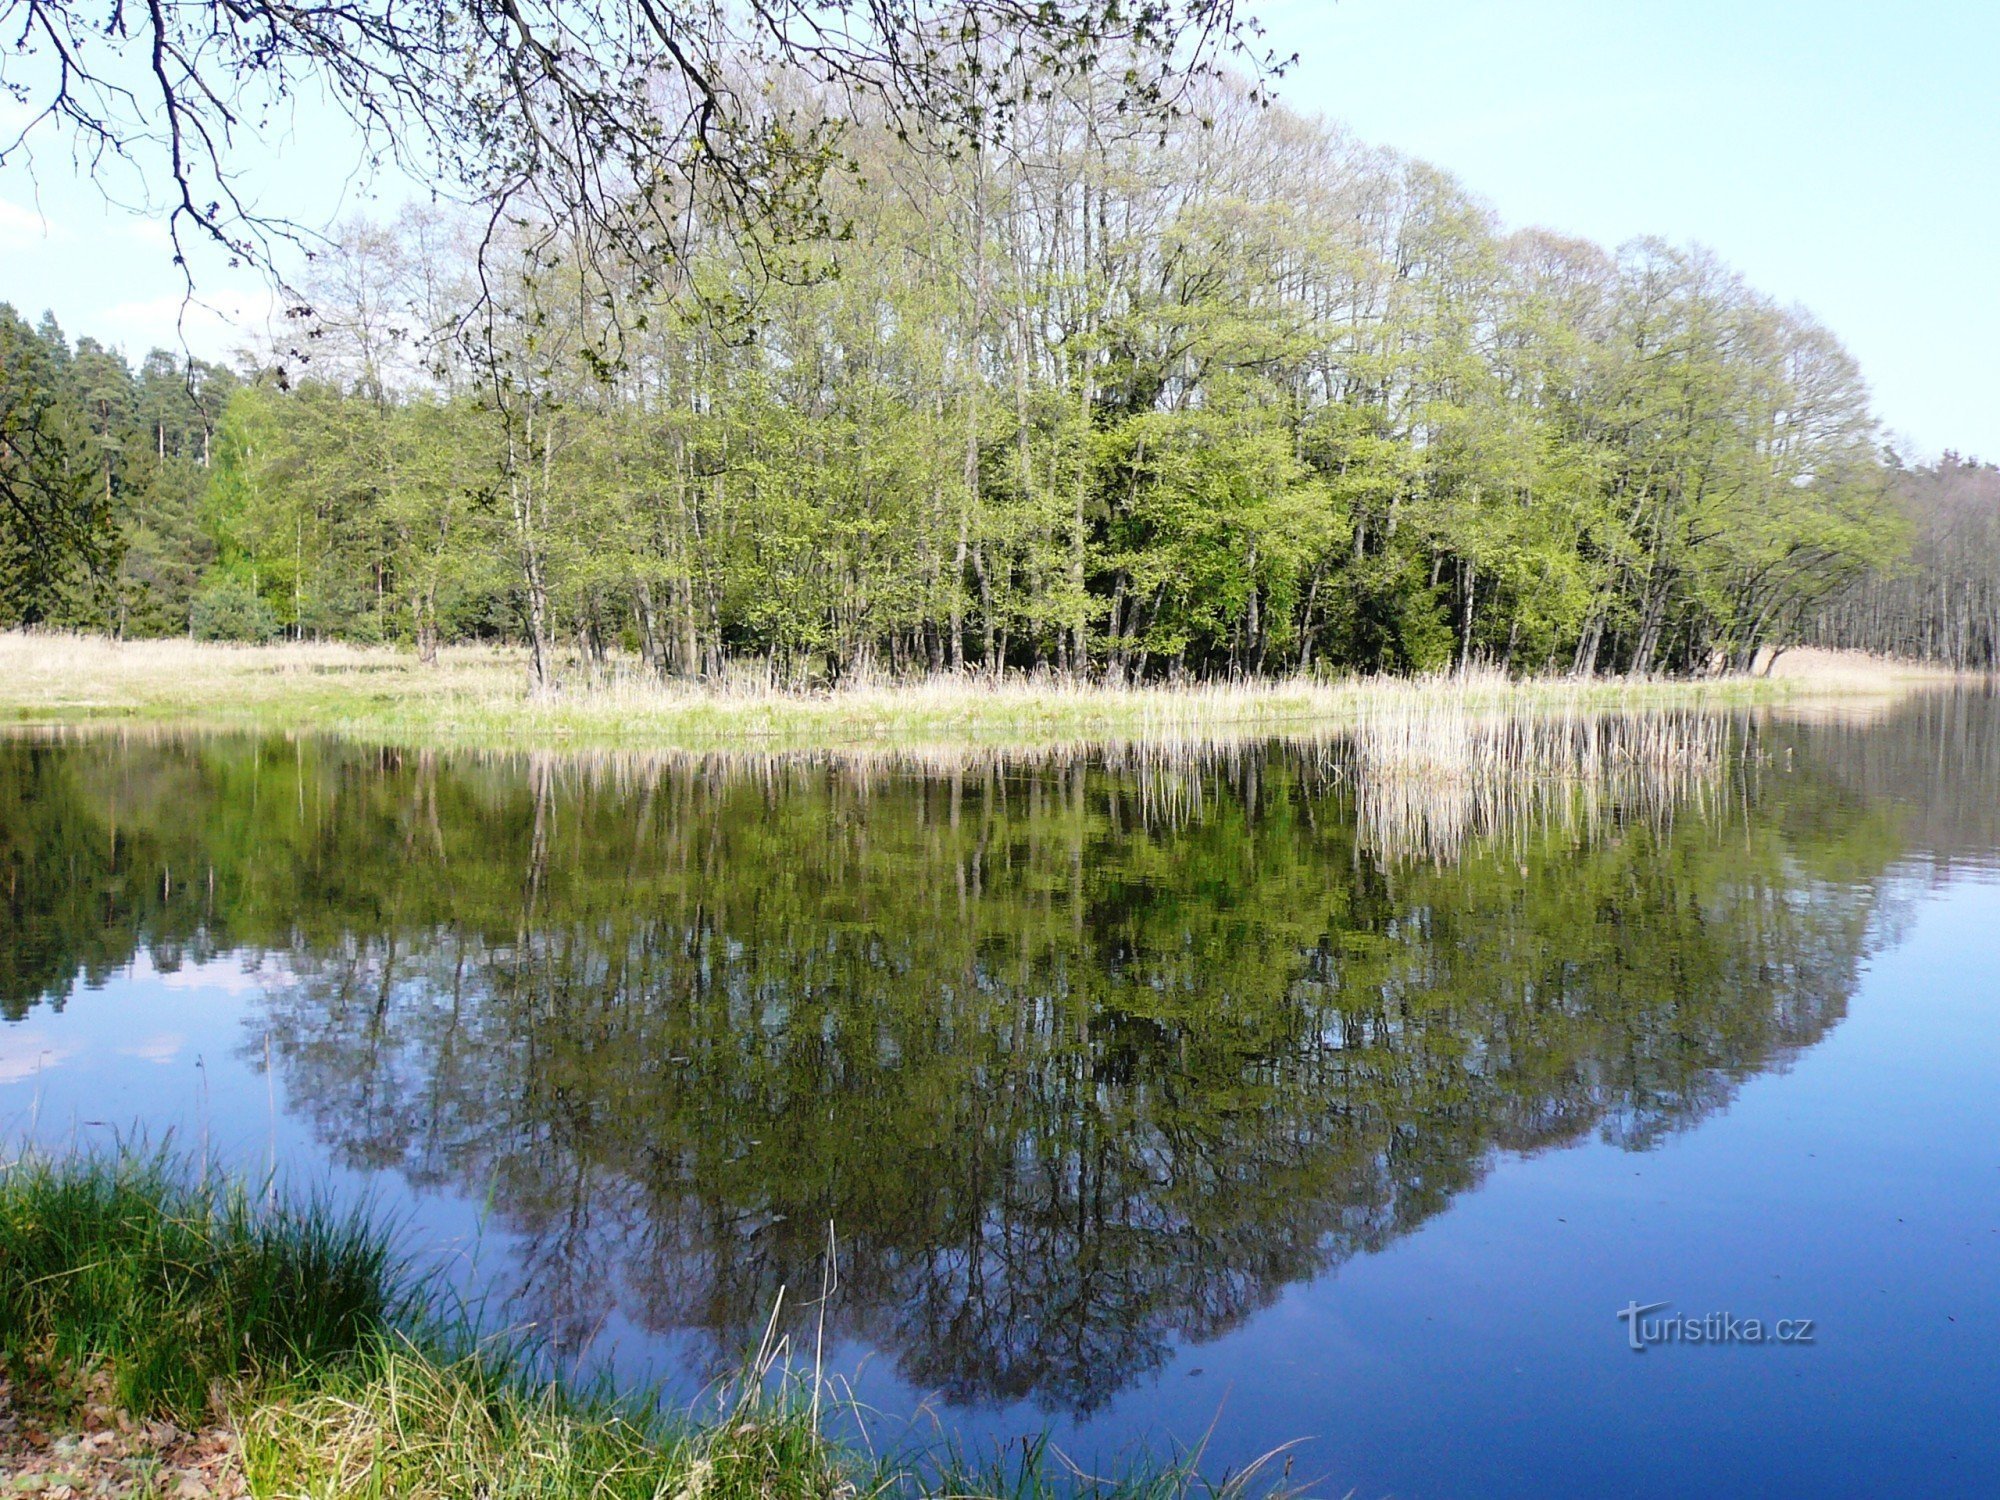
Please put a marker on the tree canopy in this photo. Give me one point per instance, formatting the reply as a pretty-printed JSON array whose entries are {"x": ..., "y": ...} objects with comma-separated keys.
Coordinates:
[
  {"x": 1940, "y": 601},
  {"x": 910, "y": 335},
  {"x": 601, "y": 117},
  {"x": 1222, "y": 391}
]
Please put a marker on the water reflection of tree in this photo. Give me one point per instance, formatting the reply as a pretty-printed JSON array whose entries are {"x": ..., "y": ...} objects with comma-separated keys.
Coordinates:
[
  {"x": 1071, "y": 1083},
  {"x": 1080, "y": 1061},
  {"x": 1934, "y": 759}
]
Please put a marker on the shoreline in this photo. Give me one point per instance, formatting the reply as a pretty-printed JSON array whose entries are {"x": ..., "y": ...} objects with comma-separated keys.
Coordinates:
[
  {"x": 476, "y": 698},
  {"x": 167, "y": 1325}
]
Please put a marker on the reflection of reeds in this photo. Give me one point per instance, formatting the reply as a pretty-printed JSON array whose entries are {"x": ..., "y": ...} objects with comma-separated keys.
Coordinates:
[
  {"x": 1429, "y": 768},
  {"x": 1431, "y": 776},
  {"x": 1435, "y": 760}
]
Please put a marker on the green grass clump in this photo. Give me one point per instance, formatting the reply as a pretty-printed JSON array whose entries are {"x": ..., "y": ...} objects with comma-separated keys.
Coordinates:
[
  {"x": 405, "y": 1424},
  {"x": 173, "y": 1285},
  {"x": 296, "y": 1328}
]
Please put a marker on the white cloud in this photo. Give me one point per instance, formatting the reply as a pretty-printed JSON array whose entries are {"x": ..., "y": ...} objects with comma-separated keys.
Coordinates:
[
  {"x": 24, "y": 228},
  {"x": 221, "y": 977},
  {"x": 24, "y": 1054},
  {"x": 215, "y": 324},
  {"x": 152, "y": 233},
  {"x": 162, "y": 1047}
]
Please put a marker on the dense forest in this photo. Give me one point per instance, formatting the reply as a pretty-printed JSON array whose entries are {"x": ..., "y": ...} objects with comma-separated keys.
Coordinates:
[
  {"x": 1228, "y": 393},
  {"x": 105, "y": 474}
]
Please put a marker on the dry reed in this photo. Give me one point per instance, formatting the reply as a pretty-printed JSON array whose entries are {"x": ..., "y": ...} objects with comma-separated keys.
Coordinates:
[{"x": 478, "y": 696}]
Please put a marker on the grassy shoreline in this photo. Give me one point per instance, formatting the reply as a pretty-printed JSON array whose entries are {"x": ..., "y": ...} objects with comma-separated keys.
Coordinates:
[
  {"x": 165, "y": 1331},
  {"x": 478, "y": 698}
]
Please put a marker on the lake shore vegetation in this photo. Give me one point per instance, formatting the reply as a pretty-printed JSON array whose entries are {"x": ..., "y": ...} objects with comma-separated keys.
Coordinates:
[
  {"x": 479, "y": 697},
  {"x": 170, "y": 1330}
]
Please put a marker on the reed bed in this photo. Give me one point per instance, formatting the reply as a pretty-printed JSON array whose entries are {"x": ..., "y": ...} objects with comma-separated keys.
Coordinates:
[
  {"x": 478, "y": 697},
  {"x": 317, "y": 1368},
  {"x": 1860, "y": 673}
]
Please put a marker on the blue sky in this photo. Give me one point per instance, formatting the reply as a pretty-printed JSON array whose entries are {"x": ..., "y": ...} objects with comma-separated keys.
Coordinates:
[{"x": 1845, "y": 156}]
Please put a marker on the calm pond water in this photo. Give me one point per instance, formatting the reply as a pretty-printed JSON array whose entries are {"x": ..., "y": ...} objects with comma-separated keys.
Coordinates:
[{"x": 1147, "y": 1096}]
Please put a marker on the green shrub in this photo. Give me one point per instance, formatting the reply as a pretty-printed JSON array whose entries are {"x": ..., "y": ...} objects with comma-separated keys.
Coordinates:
[{"x": 227, "y": 607}]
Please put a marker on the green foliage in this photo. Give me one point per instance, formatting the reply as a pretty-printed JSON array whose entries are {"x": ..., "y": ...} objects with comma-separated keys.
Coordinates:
[
  {"x": 1215, "y": 521},
  {"x": 227, "y": 607},
  {"x": 57, "y": 542},
  {"x": 1266, "y": 402},
  {"x": 1385, "y": 616}
]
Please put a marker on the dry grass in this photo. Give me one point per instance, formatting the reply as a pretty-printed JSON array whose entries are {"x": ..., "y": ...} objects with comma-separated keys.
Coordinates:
[
  {"x": 478, "y": 697},
  {"x": 1854, "y": 687},
  {"x": 1857, "y": 672},
  {"x": 1435, "y": 762}
]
